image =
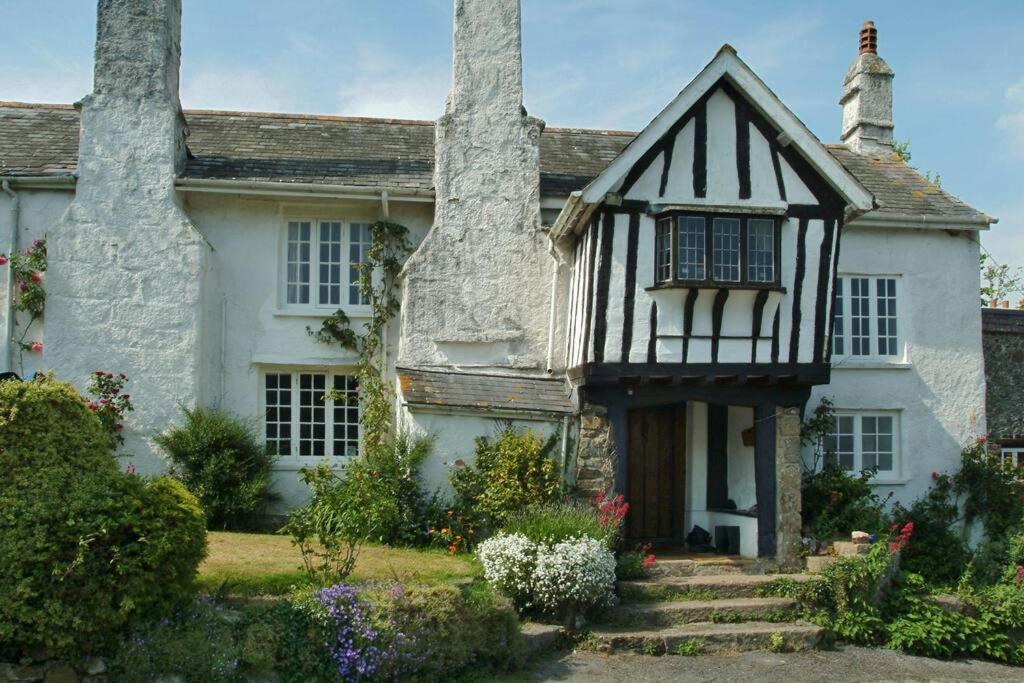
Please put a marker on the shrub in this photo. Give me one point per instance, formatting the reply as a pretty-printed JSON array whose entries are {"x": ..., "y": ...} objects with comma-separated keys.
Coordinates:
[
  {"x": 84, "y": 548},
  {"x": 992, "y": 492},
  {"x": 224, "y": 463},
  {"x": 573, "y": 576},
  {"x": 509, "y": 560},
  {"x": 511, "y": 472},
  {"x": 937, "y": 552},
  {"x": 835, "y": 503},
  {"x": 559, "y": 522},
  {"x": 634, "y": 564}
]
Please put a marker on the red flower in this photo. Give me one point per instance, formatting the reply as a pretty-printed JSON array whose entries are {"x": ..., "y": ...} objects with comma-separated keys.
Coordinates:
[
  {"x": 3, "y": 260},
  {"x": 22, "y": 286},
  {"x": 37, "y": 347},
  {"x": 36, "y": 277},
  {"x": 119, "y": 426},
  {"x": 123, "y": 376},
  {"x": 37, "y": 243},
  {"x": 981, "y": 439},
  {"x": 649, "y": 561},
  {"x": 935, "y": 475},
  {"x": 1020, "y": 574},
  {"x": 99, "y": 373}
]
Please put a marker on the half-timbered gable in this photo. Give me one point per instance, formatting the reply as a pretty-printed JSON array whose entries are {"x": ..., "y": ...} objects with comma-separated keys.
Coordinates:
[{"x": 710, "y": 245}]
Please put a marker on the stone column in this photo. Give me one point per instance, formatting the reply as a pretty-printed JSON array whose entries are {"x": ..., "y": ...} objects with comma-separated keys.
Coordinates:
[
  {"x": 787, "y": 487},
  {"x": 597, "y": 458}
]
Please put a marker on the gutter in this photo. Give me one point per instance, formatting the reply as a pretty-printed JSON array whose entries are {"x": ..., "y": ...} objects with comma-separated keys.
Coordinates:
[
  {"x": 43, "y": 182},
  {"x": 8, "y": 281},
  {"x": 301, "y": 190},
  {"x": 930, "y": 221}
]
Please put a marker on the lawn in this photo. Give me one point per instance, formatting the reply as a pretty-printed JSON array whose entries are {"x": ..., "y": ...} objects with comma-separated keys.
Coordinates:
[{"x": 266, "y": 564}]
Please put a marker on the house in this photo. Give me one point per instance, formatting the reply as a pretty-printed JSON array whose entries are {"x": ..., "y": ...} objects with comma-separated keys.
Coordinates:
[
  {"x": 667, "y": 301},
  {"x": 1002, "y": 335}
]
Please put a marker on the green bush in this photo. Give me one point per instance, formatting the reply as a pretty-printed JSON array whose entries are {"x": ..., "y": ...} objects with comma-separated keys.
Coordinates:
[
  {"x": 937, "y": 552},
  {"x": 511, "y": 472},
  {"x": 834, "y": 503},
  {"x": 558, "y": 522},
  {"x": 85, "y": 549},
  {"x": 223, "y": 462}
]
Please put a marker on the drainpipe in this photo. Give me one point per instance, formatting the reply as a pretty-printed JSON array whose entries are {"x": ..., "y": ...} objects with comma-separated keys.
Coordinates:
[
  {"x": 7, "y": 280},
  {"x": 565, "y": 444}
]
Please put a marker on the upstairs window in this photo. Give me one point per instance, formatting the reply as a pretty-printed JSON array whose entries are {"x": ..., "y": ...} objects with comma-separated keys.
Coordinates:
[
  {"x": 866, "y": 324},
  {"x": 322, "y": 259},
  {"x": 713, "y": 249}
]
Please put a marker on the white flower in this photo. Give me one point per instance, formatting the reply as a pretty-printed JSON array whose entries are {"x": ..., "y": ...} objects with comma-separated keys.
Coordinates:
[
  {"x": 577, "y": 573},
  {"x": 509, "y": 561}
]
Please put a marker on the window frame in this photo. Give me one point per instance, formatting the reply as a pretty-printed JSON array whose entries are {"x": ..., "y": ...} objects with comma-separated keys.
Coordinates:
[
  {"x": 1012, "y": 459},
  {"x": 292, "y": 460},
  {"x": 673, "y": 218},
  {"x": 844, "y": 318},
  {"x": 858, "y": 415},
  {"x": 314, "y": 305}
]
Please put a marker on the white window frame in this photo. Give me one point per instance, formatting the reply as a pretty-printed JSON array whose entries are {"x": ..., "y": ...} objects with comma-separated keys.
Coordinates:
[
  {"x": 846, "y": 308},
  {"x": 858, "y": 415},
  {"x": 315, "y": 305},
  {"x": 293, "y": 460},
  {"x": 1012, "y": 457}
]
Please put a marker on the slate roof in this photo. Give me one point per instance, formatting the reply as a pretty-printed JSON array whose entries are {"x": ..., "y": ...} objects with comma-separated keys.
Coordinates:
[
  {"x": 1002, "y": 320},
  {"x": 42, "y": 139},
  {"x": 490, "y": 392}
]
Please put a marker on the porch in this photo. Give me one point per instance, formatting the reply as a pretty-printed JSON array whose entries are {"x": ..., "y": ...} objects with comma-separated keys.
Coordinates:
[{"x": 725, "y": 461}]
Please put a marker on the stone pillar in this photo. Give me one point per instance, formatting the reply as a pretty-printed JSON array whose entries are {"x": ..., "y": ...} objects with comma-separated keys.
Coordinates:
[
  {"x": 477, "y": 291},
  {"x": 787, "y": 487},
  {"x": 125, "y": 263},
  {"x": 597, "y": 459}
]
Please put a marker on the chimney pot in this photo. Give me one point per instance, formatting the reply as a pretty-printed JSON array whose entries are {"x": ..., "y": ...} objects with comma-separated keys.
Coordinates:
[{"x": 868, "y": 38}]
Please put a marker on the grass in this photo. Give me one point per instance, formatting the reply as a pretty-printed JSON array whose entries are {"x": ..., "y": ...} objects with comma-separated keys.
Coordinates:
[{"x": 267, "y": 564}]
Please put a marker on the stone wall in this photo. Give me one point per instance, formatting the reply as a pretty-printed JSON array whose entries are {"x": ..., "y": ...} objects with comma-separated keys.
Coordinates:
[
  {"x": 787, "y": 487},
  {"x": 1003, "y": 345},
  {"x": 596, "y": 456}
]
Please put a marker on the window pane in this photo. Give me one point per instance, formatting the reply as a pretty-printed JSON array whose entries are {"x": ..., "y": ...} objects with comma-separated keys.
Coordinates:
[
  {"x": 278, "y": 416},
  {"x": 885, "y": 289},
  {"x": 760, "y": 250},
  {"x": 359, "y": 248},
  {"x": 346, "y": 416},
  {"x": 297, "y": 270},
  {"x": 838, "y": 327},
  {"x": 838, "y": 445},
  {"x": 330, "y": 260},
  {"x": 312, "y": 413},
  {"x": 663, "y": 251},
  {"x": 860, "y": 316},
  {"x": 877, "y": 442},
  {"x": 726, "y": 251},
  {"x": 691, "y": 248}
]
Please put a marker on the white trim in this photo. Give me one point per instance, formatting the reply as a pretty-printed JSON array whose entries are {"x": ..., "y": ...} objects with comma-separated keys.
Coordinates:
[
  {"x": 727, "y": 63},
  {"x": 874, "y": 219},
  {"x": 872, "y": 360},
  {"x": 314, "y": 308},
  {"x": 893, "y": 476}
]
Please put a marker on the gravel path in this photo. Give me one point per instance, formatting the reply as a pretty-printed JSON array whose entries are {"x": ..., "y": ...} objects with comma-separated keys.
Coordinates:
[{"x": 843, "y": 664}]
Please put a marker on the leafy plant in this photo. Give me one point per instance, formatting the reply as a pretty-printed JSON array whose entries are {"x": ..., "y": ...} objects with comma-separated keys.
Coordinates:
[
  {"x": 110, "y": 403},
  {"x": 635, "y": 564},
  {"x": 559, "y": 521},
  {"x": 222, "y": 460},
  {"x": 27, "y": 270},
  {"x": 993, "y": 493},
  {"x": 691, "y": 647},
  {"x": 835, "y": 503},
  {"x": 937, "y": 551},
  {"x": 511, "y": 472}
]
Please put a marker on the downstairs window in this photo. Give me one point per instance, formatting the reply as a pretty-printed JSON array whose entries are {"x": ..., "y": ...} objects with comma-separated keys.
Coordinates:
[
  {"x": 301, "y": 423},
  {"x": 860, "y": 440}
]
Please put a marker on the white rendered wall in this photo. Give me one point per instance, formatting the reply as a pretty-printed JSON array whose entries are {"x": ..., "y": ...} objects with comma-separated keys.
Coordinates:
[
  {"x": 938, "y": 381},
  {"x": 741, "y": 459}
]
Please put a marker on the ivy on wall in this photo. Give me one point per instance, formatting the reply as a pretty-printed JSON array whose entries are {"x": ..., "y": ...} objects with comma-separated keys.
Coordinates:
[
  {"x": 27, "y": 270},
  {"x": 378, "y": 284}
]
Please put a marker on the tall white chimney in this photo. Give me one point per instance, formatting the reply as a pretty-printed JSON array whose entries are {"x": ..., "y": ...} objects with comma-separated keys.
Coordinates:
[
  {"x": 867, "y": 99},
  {"x": 477, "y": 289},
  {"x": 126, "y": 265}
]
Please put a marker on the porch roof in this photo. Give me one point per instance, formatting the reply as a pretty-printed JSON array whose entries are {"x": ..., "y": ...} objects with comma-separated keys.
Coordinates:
[{"x": 485, "y": 391}]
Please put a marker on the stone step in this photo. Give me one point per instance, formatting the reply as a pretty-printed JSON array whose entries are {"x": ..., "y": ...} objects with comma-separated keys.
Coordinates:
[
  {"x": 729, "y": 610},
  {"x": 685, "y": 566},
  {"x": 716, "y": 587},
  {"x": 708, "y": 638}
]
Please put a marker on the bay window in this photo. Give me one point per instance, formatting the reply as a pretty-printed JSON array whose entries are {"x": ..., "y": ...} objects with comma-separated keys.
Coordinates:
[{"x": 717, "y": 249}]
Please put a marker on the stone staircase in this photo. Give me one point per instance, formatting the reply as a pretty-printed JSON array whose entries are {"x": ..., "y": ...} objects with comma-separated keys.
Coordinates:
[{"x": 707, "y": 605}]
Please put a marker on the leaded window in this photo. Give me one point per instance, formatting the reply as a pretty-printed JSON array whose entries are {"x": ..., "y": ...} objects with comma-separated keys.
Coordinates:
[{"x": 711, "y": 248}]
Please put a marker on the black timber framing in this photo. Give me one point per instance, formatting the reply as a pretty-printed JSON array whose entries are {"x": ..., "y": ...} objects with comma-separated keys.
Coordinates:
[
  {"x": 718, "y": 456},
  {"x": 764, "y": 478},
  {"x": 743, "y": 376}
]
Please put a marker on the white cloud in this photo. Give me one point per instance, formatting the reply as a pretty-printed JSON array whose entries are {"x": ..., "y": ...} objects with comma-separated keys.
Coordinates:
[
  {"x": 1012, "y": 121},
  {"x": 379, "y": 84},
  {"x": 238, "y": 89},
  {"x": 48, "y": 79}
]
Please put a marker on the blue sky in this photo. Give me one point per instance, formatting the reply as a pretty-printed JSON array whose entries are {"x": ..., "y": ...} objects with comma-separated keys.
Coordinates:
[{"x": 959, "y": 88}]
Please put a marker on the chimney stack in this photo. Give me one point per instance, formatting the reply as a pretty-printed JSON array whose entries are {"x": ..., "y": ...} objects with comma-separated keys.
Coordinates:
[
  {"x": 867, "y": 99},
  {"x": 477, "y": 289}
]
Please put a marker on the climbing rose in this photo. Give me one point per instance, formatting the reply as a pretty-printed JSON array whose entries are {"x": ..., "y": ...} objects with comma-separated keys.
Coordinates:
[
  {"x": 3, "y": 260},
  {"x": 37, "y": 347},
  {"x": 935, "y": 475},
  {"x": 1020, "y": 574},
  {"x": 36, "y": 277}
]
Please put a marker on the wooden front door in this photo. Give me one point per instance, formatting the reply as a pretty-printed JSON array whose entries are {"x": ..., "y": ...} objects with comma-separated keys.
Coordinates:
[{"x": 656, "y": 474}]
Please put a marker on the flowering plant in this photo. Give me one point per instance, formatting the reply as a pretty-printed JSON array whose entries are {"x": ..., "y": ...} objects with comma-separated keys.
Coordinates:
[
  {"x": 902, "y": 537},
  {"x": 27, "y": 268},
  {"x": 109, "y": 402},
  {"x": 573, "y": 576},
  {"x": 509, "y": 561},
  {"x": 455, "y": 533}
]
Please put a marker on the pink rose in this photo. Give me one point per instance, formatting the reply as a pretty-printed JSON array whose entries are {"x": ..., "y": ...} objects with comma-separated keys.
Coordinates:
[
  {"x": 3, "y": 260},
  {"x": 36, "y": 277},
  {"x": 37, "y": 347}
]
